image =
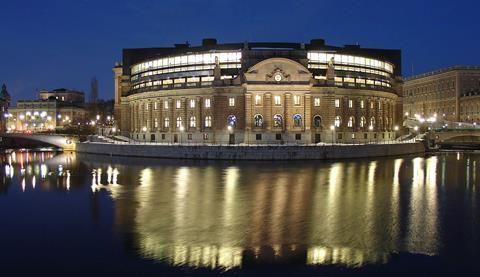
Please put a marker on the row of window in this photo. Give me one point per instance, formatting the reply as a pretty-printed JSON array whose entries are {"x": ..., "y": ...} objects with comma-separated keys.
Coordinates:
[
  {"x": 190, "y": 59},
  {"x": 258, "y": 101},
  {"x": 325, "y": 57},
  {"x": 277, "y": 121},
  {"x": 352, "y": 69}
]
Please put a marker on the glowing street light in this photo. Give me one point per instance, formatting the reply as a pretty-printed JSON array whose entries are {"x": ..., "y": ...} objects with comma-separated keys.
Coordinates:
[
  {"x": 144, "y": 129},
  {"x": 415, "y": 128},
  {"x": 395, "y": 128}
]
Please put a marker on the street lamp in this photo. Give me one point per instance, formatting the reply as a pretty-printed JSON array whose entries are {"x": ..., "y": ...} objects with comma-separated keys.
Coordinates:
[
  {"x": 370, "y": 128},
  {"x": 395, "y": 129},
  {"x": 182, "y": 129},
  {"x": 332, "y": 128}
]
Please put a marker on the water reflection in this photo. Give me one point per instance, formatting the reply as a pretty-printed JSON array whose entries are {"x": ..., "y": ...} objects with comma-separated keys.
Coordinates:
[{"x": 223, "y": 215}]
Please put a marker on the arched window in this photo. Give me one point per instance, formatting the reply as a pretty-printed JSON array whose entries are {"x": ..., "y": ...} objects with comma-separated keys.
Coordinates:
[
  {"x": 297, "y": 120},
  {"x": 166, "y": 122},
  {"x": 338, "y": 121},
  {"x": 363, "y": 122},
  {"x": 277, "y": 120},
  {"x": 372, "y": 122},
  {"x": 380, "y": 123},
  {"x": 258, "y": 120},
  {"x": 193, "y": 122},
  {"x": 317, "y": 121},
  {"x": 208, "y": 121},
  {"x": 179, "y": 122},
  {"x": 351, "y": 121},
  {"x": 232, "y": 120},
  {"x": 386, "y": 123}
]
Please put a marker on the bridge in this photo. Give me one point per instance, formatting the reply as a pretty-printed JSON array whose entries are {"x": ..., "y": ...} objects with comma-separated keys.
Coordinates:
[
  {"x": 21, "y": 140},
  {"x": 445, "y": 134}
]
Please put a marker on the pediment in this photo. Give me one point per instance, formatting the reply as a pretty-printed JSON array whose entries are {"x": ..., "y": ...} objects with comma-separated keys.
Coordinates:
[{"x": 278, "y": 70}]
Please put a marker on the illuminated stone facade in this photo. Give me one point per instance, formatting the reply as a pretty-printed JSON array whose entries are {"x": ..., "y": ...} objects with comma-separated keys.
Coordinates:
[
  {"x": 259, "y": 93},
  {"x": 452, "y": 94}
]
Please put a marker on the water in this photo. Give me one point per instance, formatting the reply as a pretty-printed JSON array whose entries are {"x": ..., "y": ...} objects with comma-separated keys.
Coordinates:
[{"x": 67, "y": 214}]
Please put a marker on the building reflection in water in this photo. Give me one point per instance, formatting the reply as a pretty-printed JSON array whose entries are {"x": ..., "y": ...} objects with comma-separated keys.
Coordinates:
[
  {"x": 222, "y": 215},
  {"x": 349, "y": 213}
]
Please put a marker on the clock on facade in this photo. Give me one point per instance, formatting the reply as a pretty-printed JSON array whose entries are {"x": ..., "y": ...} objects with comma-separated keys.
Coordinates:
[{"x": 277, "y": 77}]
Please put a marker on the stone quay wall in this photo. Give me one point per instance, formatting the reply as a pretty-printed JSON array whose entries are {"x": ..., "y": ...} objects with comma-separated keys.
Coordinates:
[{"x": 260, "y": 152}]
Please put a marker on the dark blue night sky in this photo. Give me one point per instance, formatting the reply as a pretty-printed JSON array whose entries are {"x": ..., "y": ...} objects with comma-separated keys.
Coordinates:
[{"x": 51, "y": 44}]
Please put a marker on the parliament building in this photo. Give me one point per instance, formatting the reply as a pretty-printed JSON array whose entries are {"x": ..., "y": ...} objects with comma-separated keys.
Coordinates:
[{"x": 259, "y": 93}]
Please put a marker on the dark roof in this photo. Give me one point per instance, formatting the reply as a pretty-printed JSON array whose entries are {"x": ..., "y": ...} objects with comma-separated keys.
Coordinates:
[{"x": 135, "y": 55}]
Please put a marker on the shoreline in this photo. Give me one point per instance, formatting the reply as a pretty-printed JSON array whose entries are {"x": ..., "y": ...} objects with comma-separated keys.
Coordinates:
[{"x": 252, "y": 152}]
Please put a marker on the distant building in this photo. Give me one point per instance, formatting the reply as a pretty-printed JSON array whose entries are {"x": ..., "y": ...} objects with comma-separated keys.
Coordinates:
[
  {"x": 4, "y": 104},
  {"x": 259, "y": 93},
  {"x": 63, "y": 95},
  {"x": 54, "y": 110},
  {"x": 451, "y": 93}
]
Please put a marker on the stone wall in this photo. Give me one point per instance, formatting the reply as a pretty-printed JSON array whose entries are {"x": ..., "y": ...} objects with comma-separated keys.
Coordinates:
[{"x": 267, "y": 152}]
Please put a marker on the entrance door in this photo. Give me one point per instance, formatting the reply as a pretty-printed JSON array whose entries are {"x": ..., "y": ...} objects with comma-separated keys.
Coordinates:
[
  {"x": 231, "y": 139},
  {"x": 175, "y": 138},
  {"x": 317, "y": 138}
]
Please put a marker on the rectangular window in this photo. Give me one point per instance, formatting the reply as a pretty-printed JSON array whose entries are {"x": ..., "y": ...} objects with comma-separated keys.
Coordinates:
[
  {"x": 165, "y": 104},
  {"x": 258, "y": 137},
  {"x": 277, "y": 100},
  {"x": 207, "y": 103},
  {"x": 298, "y": 136},
  {"x": 192, "y": 103},
  {"x": 231, "y": 102},
  {"x": 340, "y": 136},
  {"x": 163, "y": 136},
  {"x": 146, "y": 106},
  {"x": 316, "y": 101},
  {"x": 155, "y": 105},
  {"x": 189, "y": 136},
  {"x": 379, "y": 105},
  {"x": 371, "y": 105},
  {"x": 278, "y": 136},
  {"x": 350, "y": 103},
  {"x": 362, "y": 104},
  {"x": 337, "y": 103},
  {"x": 205, "y": 136},
  {"x": 258, "y": 100},
  {"x": 178, "y": 104},
  {"x": 155, "y": 122},
  {"x": 296, "y": 100}
]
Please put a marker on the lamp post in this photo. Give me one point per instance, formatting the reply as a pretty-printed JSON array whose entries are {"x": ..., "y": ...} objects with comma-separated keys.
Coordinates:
[
  {"x": 229, "y": 129},
  {"x": 370, "y": 128},
  {"x": 332, "y": 128},
  {"x": 182, "y": 129},
  {"x": 395, "y": 133}
]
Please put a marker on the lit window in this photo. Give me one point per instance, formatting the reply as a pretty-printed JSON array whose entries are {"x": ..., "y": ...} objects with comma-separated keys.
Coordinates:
[
  {"x": 207, "y": 103},
  {"x": 232, "y": 120},
  {"x": 231, "y": 102},
  {"x": 166, "y": 122},
  {"x": 193, "y": 122},
  {"x": 258, "y": 100},
  {"x": 146, "y": 106},
  {"x": 362, "y": 104},
  {"x": 258, "y": 120},
  {"x": 297, "y": 120},
  {"x": 296, "y": 99},
  {"x": 165, "y": 104},
  {"x": 350, "y": 103},
  {"x": 371, "y": 105},
  {"x": 363, "y": 122},
  {"x": 316, "y": 101},
  {"x": 208, "y": 121},
  {"x": 179, "y": 122},
  {"x": 155, "y": 122},
  {"x": 155, "y": 105},
  {"x": 178, "y": 104},
  {"x": 337, "y": 103},
  {"x": 338, "y": 121},
  {"x": 192, "y": 103},
  {"x": 277, "y": 120},
  {"x": 277, "y": 100},
  {"x": 379, "y": 105},
  {"x": 350, "y": 122},
  {"x": 372, "y": 122}
]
